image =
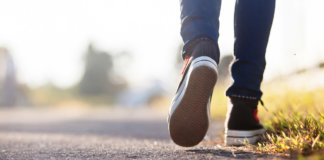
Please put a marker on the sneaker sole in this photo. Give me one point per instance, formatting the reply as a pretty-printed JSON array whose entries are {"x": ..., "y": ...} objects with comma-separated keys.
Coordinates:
[
  {"x": 190, "y": 120},
  {"x": 239, "y": 138}
]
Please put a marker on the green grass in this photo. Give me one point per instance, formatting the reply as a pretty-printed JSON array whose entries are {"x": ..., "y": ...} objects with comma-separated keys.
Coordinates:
[
  {"x": 294, "y": 122},
  {"x": 294, "y": 133}
]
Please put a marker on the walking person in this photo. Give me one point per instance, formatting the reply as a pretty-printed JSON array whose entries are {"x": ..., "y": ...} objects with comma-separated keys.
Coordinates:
[{"x": 189, "y": 112}]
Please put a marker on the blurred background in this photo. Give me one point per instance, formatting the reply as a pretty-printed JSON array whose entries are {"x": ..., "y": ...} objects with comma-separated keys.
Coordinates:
[{"x": 125, "y": 53}]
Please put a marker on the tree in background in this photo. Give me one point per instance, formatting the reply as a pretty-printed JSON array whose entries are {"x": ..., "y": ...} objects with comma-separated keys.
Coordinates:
[{"x": 98, "y": 78}]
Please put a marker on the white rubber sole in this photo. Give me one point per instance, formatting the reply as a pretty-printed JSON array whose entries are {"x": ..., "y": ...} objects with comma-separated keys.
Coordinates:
[
  {"x": 238, "y": 138},
  {"x": 189, "y": 112}
]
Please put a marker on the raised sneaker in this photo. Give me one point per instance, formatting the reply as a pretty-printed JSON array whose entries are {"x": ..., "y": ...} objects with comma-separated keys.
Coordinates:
[
  {"x": 189, "y": 112},
  {"x": 242, "y": 124}
]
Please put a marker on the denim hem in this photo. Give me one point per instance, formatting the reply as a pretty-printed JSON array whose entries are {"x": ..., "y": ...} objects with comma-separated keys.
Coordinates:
[{"x": 244, "y": 97}]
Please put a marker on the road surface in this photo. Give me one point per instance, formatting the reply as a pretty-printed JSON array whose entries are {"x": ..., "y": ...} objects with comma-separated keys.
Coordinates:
[{"x": 103, "y": 133}]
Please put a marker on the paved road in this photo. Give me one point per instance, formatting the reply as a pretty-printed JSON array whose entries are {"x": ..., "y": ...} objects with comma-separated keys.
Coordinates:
[{"x": 101, "y": 133}]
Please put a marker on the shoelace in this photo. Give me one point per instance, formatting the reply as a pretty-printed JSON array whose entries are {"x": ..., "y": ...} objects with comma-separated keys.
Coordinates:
[{"x": 263, "y": 105}]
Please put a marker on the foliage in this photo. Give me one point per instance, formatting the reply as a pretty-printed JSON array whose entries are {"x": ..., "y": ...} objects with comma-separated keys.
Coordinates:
[
  {"x": 98, "y": 78},
  {"x": 296, "y": 123},
  {"x": 293, "y": 133}
]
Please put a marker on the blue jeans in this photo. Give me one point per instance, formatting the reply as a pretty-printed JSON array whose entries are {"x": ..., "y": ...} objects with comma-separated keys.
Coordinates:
[{"x": 252, "y": 25}]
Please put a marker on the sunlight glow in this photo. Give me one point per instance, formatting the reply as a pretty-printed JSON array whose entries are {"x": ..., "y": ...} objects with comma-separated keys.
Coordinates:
[{"x": 48, "y": 38}]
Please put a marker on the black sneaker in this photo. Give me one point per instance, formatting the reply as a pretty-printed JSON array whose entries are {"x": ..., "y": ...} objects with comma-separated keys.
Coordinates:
[
  {"x": 189, "y": 112},
  {"x": 242, "y": 124}
]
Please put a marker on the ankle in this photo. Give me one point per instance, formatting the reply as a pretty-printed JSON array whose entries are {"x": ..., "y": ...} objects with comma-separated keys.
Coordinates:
[
  {"x": 243, "y": 102},
  {"x": 206, "y": 48}
]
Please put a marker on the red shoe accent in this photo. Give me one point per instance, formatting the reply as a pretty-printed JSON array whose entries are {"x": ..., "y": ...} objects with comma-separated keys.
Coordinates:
[
  {"x": 186, "y": 62},
  {"x": 256, "y": 115}
]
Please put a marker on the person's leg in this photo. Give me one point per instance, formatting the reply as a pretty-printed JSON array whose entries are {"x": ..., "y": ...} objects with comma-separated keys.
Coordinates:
[
  {"x": 199, "y": 22},
  {"x": 189, "y": 112},
  {"x": 252, "y": 24}
]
